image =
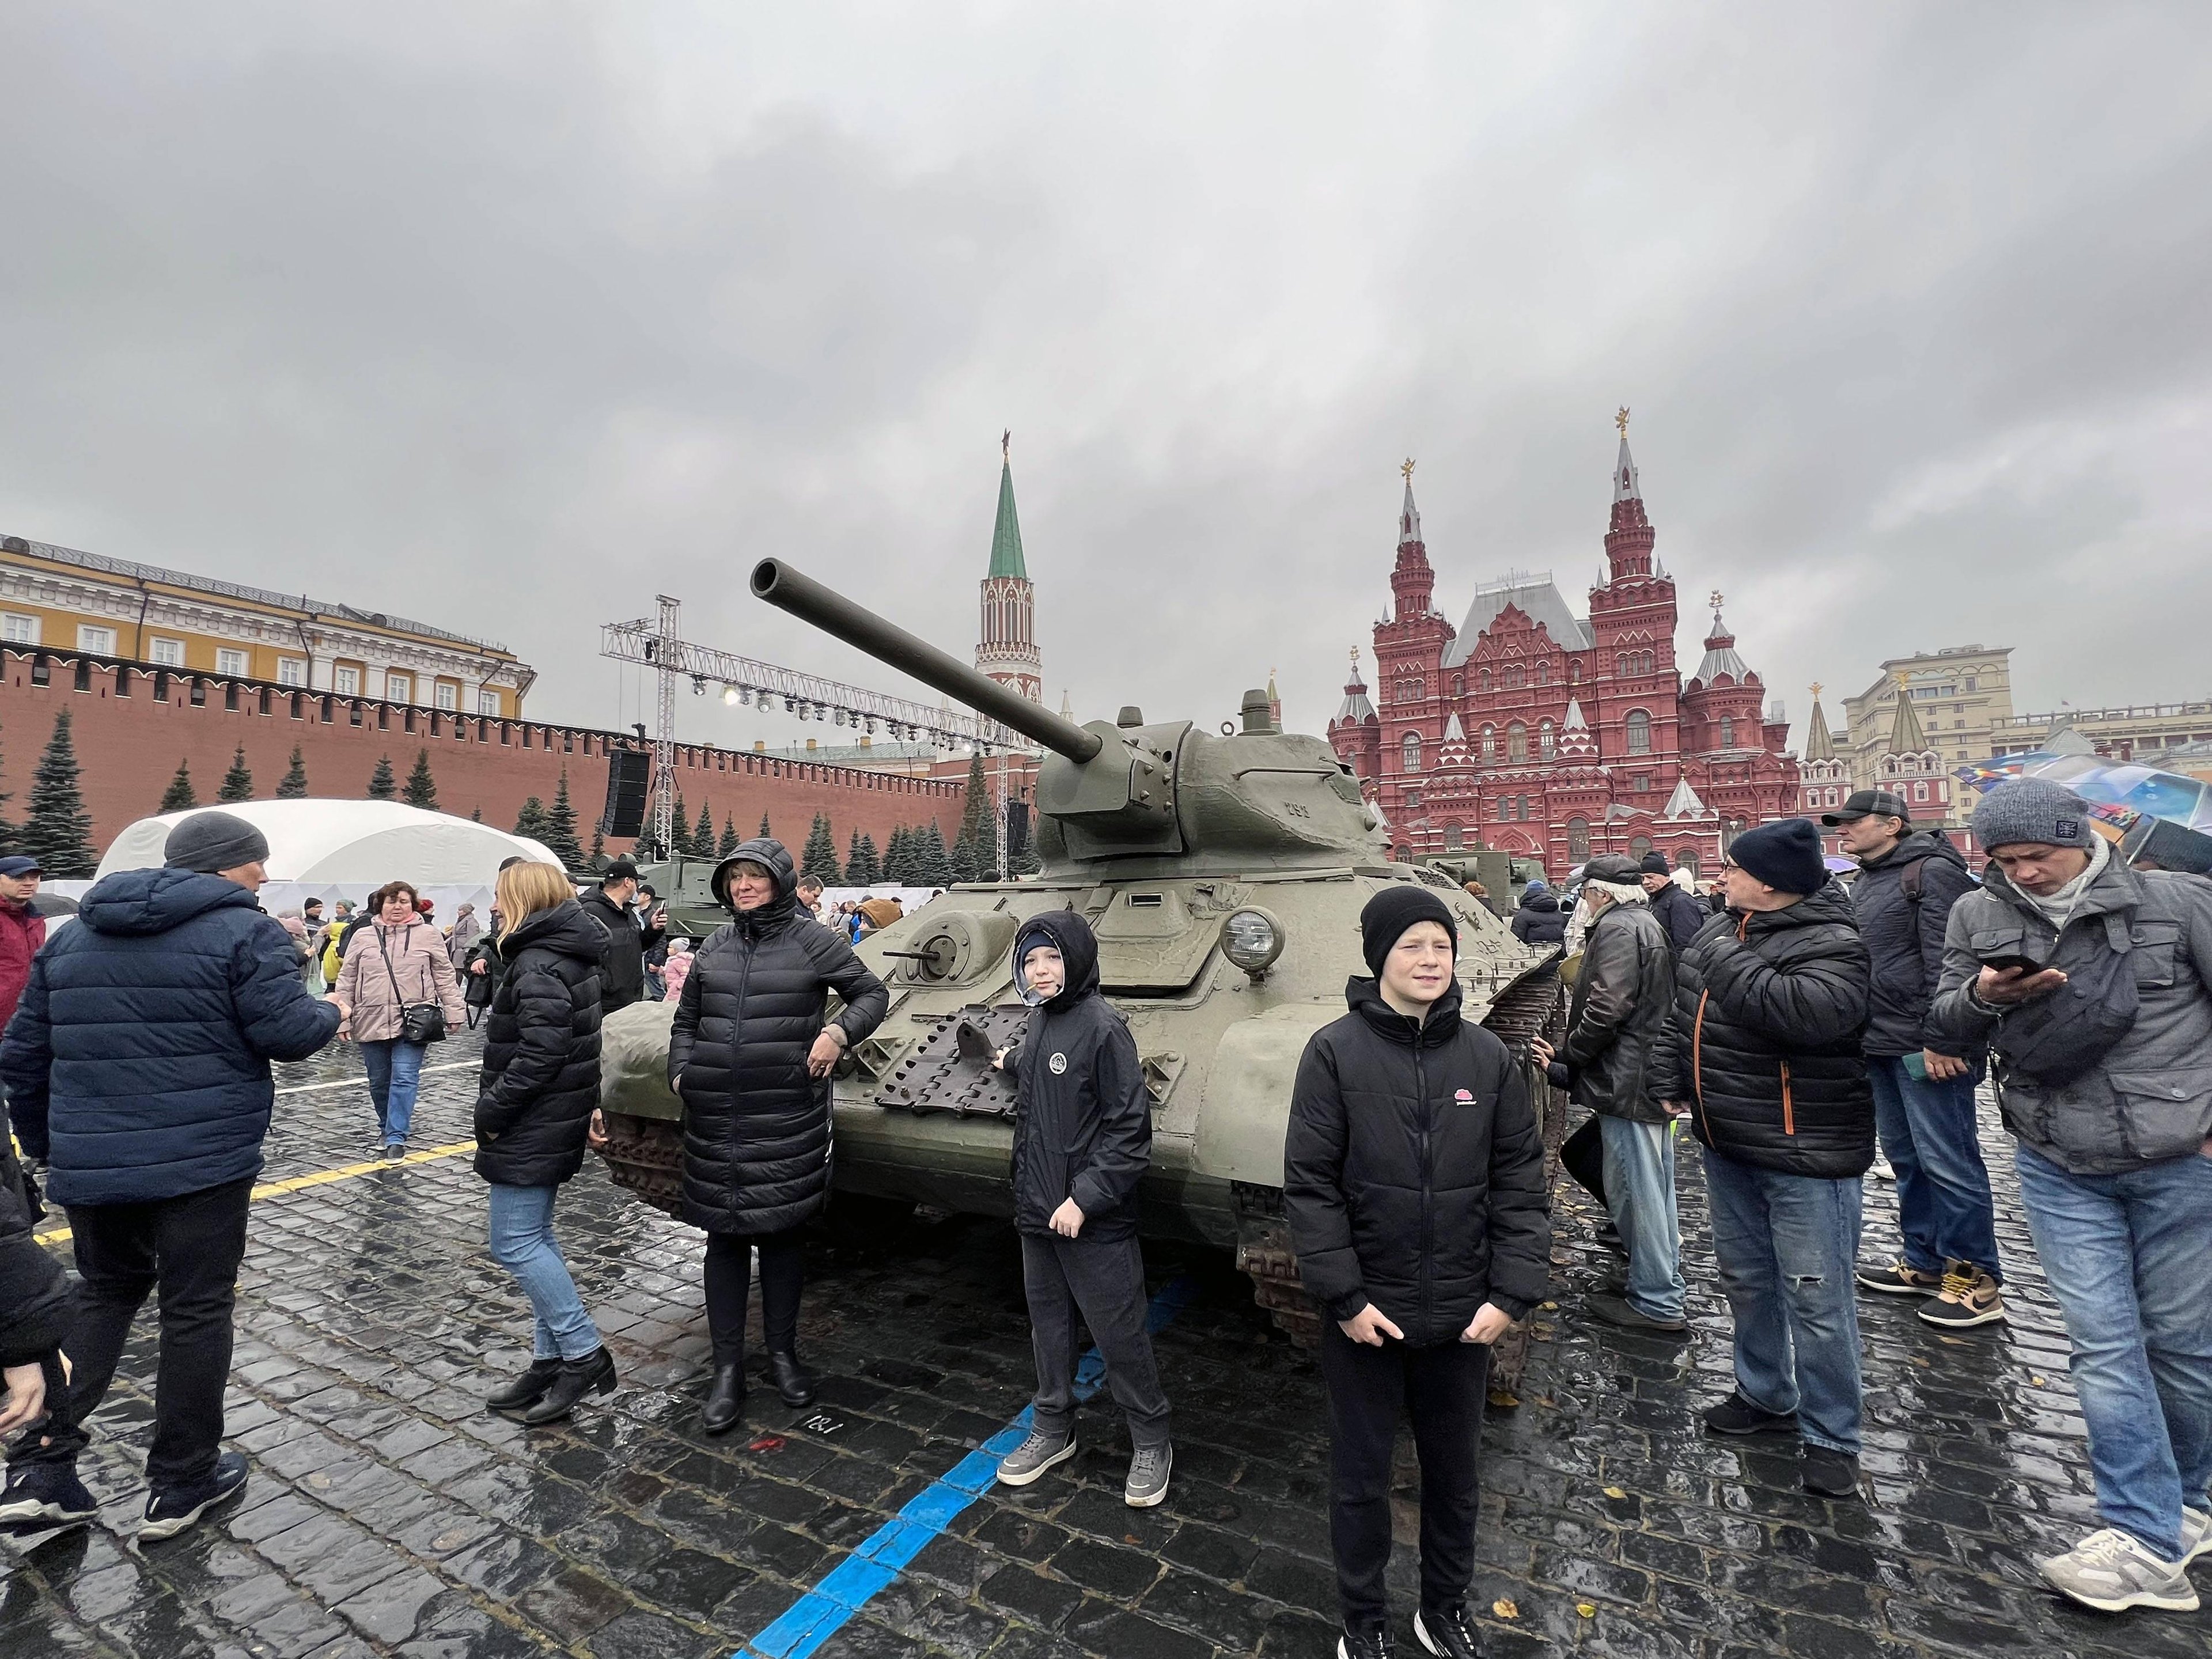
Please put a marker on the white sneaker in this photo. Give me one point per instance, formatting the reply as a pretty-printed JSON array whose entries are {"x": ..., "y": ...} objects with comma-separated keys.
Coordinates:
[
  {"x": 2195, "y": 1533},
  {"x": 2111, "y": 1572}
]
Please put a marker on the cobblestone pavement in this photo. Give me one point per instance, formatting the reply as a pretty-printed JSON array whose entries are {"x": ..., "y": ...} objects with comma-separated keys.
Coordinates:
[{"x": 389, "y": 1514}]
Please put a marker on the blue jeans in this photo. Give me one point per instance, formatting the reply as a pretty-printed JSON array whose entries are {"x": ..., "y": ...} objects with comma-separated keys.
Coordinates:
[
  {"x": 395, "y": 1072},
  {"x": 1929, "y": 1134},
  {"x": 2129, "y": 1258},
  {"x": 1787, "y": 1246},
  {"x": 522, "y": 1242},
  {"x": 1639, "y": 1191}
]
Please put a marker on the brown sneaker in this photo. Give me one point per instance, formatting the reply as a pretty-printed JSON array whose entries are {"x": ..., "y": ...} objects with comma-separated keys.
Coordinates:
[
  {"x": 1969, "y": 1297},
  {"x": 1899, "y": 1279}
]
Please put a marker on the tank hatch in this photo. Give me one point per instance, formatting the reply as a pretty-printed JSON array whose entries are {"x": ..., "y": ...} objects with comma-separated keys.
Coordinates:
[{"x": 950, "y": 1071}]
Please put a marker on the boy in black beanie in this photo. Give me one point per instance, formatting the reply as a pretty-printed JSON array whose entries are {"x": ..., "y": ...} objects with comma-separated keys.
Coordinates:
[{"x": 1414, "y": 1184}]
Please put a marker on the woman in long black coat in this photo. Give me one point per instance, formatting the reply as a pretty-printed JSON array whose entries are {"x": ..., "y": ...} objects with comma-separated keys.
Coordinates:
[
  {"x": 750, "y": 1055},
  {"x": 534, "y": 1100}
]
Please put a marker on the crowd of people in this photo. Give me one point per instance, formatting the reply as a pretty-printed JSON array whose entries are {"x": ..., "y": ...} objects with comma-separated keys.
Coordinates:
[{"x": 1792, "y": 1031}]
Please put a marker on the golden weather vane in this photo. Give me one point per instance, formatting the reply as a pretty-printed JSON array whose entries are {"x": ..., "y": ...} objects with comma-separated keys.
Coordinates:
[
  {"x": 1713, "y": 598},
  {"x": 1816, "y": 691},
  {"x": 1621, "y": 420},
  {"x": 1408, "y": 469}
]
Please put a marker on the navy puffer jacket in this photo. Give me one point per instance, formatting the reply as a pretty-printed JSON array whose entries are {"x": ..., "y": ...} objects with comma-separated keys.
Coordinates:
[
  {"x": 137, "y": 1062},
  {"x": 541, "y": 1055},
  {"x": 1765, "y": 1043},
  {"x": 756, "y": 1126},
  {"x": 1540, "y": 920}
]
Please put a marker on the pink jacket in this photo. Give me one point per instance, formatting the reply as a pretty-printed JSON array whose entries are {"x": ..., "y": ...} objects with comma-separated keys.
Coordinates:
[
  {"x": 420, "y": 966},
  {"x": 674, "y": 972}
]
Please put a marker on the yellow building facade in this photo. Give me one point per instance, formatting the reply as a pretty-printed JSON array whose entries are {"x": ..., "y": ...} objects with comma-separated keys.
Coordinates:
[{"x": 64, "y": 600}]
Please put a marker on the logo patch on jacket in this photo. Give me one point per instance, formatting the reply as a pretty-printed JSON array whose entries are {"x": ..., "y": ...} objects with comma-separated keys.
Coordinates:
[
  {"x": 1057, "y": 1064},
  {"x": 1464, "y": 1097}
]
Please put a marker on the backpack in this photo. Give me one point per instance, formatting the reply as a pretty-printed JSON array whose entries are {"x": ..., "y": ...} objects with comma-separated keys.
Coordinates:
[{"x": 2062, "y": 1035}]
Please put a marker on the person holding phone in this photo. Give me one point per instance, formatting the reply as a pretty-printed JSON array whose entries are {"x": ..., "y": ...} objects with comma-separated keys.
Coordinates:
[
  {"x": 612, "y": 905},
  {"x": 1414, "y": 1185},
  {"x": 1924, "y": 1084}
]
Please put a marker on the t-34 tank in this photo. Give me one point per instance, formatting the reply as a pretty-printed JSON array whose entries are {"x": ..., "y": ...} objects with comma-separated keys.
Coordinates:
[{"x": 1223, "y": 873}]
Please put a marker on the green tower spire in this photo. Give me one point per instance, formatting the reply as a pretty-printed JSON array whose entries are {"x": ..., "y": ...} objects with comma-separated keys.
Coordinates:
[{"x": 1006, "y": 535}]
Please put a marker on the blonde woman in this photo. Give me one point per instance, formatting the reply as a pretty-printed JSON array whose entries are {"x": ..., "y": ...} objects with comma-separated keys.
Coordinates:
[
  {"x": 401, "y": 962},
  {"x": 534, "y": 1102}
]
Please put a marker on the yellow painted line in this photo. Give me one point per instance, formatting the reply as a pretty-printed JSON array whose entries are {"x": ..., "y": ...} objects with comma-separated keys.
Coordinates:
[{"x": 320, "y": 1178}]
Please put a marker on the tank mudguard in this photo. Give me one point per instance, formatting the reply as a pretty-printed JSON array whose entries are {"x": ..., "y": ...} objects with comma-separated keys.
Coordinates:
[{"x": 1247, "y": 1108}]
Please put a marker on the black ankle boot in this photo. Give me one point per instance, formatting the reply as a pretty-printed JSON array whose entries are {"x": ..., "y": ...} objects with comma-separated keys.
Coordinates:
[
  {"x": 593, "y": 1374},
  {"x": 525, "y": 1390},
  {"x": 796, "y": 1386},
  {"x": 725, "y": 1399}
]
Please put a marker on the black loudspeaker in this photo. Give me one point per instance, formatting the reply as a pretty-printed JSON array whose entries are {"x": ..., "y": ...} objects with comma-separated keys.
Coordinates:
[
  {"x": 630, "y": 771},
  {"x": 1018, "y": 827}
]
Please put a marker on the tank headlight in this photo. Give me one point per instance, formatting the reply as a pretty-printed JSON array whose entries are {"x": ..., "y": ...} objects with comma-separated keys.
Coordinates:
[{"x": 1252, "y": 938}]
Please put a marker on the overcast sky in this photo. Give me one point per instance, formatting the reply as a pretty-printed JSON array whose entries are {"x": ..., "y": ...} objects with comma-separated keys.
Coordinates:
[{"x": 507, "y": 317}]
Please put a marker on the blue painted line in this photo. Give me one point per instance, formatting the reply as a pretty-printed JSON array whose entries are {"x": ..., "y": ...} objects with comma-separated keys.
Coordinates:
[{"x": 860, "y": 1576}]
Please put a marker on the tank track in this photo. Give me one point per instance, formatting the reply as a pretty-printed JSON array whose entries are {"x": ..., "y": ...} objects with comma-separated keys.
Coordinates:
[
  {"x": 645, "y": 1156},
  {"x": 1264, "y": 1255}
]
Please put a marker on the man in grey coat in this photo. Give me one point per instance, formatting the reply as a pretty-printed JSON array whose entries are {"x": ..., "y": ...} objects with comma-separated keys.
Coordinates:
[
  {"x": 2091, "y": 983},
  {"x": 1623, "y": 997}
]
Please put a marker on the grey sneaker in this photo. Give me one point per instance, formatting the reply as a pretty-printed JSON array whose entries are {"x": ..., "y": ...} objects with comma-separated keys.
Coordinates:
[
  {"x": 2195, "y": 1533},
  {"x": 1019, "y": 1467},
  {"x": 1148, "y": 1476},
  {"x": 2111, "y": 1571}
]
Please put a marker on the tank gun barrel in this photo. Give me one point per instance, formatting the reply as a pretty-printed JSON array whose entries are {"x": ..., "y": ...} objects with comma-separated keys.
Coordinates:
[{"x": 788, "y": 589}]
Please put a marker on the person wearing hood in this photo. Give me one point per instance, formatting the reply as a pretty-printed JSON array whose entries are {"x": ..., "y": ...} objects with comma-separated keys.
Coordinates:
[
  {"x": 1083, "y": 1140},
  {"x": 1538, "y": 919},
  {"x": 1414, "y": 1185},
  {"x": 750, "y": 1055},
  {"x": 2092, "y": 984},
  {"x": 535, "y": 1096},
  {"x": 1765, "y": 1052},
  {"x": 138, "y": 1067},
  {"x": 1924, "y": 1091}
]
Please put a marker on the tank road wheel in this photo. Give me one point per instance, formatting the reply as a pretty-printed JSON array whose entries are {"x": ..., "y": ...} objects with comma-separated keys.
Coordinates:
[
  {"x": 1263, "y": 1252},
  {"x": 645, "y": 1156}
]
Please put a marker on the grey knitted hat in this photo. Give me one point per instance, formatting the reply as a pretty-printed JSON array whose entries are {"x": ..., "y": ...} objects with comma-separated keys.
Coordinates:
[
  {"x": 2032, "y": 811},
  {"x": 208, "y": 842}
]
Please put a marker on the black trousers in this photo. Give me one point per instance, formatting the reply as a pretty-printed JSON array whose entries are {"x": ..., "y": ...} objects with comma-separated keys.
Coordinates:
[
  {"x": 1442, "y": 1388},
  {"x": 729, "y": 1275},
  {"x": 1102, "y": 1279},
  {"x": 186, "y": 1250}
]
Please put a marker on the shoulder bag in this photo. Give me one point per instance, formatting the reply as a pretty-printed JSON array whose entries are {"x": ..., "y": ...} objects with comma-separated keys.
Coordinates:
[{"x": 419, "y": 1022}]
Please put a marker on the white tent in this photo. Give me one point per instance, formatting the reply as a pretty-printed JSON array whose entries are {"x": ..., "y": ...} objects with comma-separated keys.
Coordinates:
[{"x": 335, "y": 849}]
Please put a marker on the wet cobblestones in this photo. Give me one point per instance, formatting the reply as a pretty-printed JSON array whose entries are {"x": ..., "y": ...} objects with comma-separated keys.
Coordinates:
[{"x": 389, "y": 1514}]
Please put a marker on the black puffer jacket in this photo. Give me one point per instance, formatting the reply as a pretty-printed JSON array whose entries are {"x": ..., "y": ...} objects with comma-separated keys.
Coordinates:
[
  {"x": 1904, "y": 938},
  {"x": 1413, "y": 1172},
  {"x": 1084, "y": 1129},
  {"x": 1540, "y": 920},
  {"x": 1681, "y": 915},
  {"x": 541, "y": 1055},
  {"x": 757, "y": 1141},
  {"x": 1764, "y": 1040},
  {"x": 622, "y": 970},
  {"x": 1624, "y": 997},
  {"x": 34, "y": 1292}
]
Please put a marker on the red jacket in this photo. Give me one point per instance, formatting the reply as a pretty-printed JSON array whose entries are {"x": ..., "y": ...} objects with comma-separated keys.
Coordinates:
[{"x": 22, "y": 933}]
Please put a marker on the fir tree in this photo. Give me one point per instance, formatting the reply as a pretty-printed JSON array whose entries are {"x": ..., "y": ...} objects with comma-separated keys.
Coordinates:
[
  {"x": 238, "y": 782},
  {"x": 763, "y": 832},
  {"x": 57, "y": 830},
  {"x": 294, "y": 785},
  {"x": 421, "y": 788},
  {"x": 599, "y": 853},
  {"x": 729, "y": 841},
  {"x": 476, "y": 815},
  {"x": 933, "y": 865},
  {"x": 895, "y": 858},
  {"x": 382, "y": 785},
  {"x": 679, "y": 835},
  {"x": 560, "y": 836},
  {"x": 856, "y": 874},
  {"x": 702, "y": 844},
  {"x": 820, "y": 859},
  {"x": 532, "y": 821},
  {"x": 864, "y": 868},
  {"x": 180, "y": 796}
]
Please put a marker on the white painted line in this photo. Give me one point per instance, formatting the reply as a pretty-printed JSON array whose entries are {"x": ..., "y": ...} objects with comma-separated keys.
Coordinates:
[{"x": 357, "y": 1082}]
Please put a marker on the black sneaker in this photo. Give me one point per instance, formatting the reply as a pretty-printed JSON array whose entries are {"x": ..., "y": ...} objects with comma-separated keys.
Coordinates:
[
  {"x": 1899, "y": 1279},
  {"x": 43, "y": 1495},
  {"x": 170, "y": 1512},
  {"x": 1831, "y": 1473},
  {"x": 1366, "y": 1642},
  {"x": 1450, "y": 1634},
  {"x": 394, "y": 1151},
  {"x": 1736, "y": 1415}
]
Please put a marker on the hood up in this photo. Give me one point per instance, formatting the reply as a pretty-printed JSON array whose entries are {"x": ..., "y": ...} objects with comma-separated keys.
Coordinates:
[
  {"x": 773, "y": 856},
  {"x": 1068, "y": 934}
]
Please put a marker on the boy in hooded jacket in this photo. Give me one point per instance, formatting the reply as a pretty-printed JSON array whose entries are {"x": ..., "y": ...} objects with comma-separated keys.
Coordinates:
[{"x": 1082, "y": 1139}]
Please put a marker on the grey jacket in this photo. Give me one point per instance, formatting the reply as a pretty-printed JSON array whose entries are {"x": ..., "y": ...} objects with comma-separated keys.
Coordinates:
[
  {"x": 1623, "y": 997},
  {"x": 2151, "y": 1098}
]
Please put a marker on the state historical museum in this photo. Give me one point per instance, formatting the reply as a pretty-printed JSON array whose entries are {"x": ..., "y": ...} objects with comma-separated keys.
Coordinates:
[{"x": 1556, "y": 737}]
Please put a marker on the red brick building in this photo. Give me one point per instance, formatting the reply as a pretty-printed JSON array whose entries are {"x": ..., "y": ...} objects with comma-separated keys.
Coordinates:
[
  {"x": 1531, "y": 729},
  {"x": 133, "y": 723}
]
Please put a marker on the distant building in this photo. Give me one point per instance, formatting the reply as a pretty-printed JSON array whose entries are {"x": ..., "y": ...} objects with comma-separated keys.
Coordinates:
[
  {"x": 60, "y": 599},
  {"x": 1006, "y": 647},
  {"x": 2138, "y": 732},
  {"x": 1961, "y": 696},
  {"x": 1535, "y": 730}
]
